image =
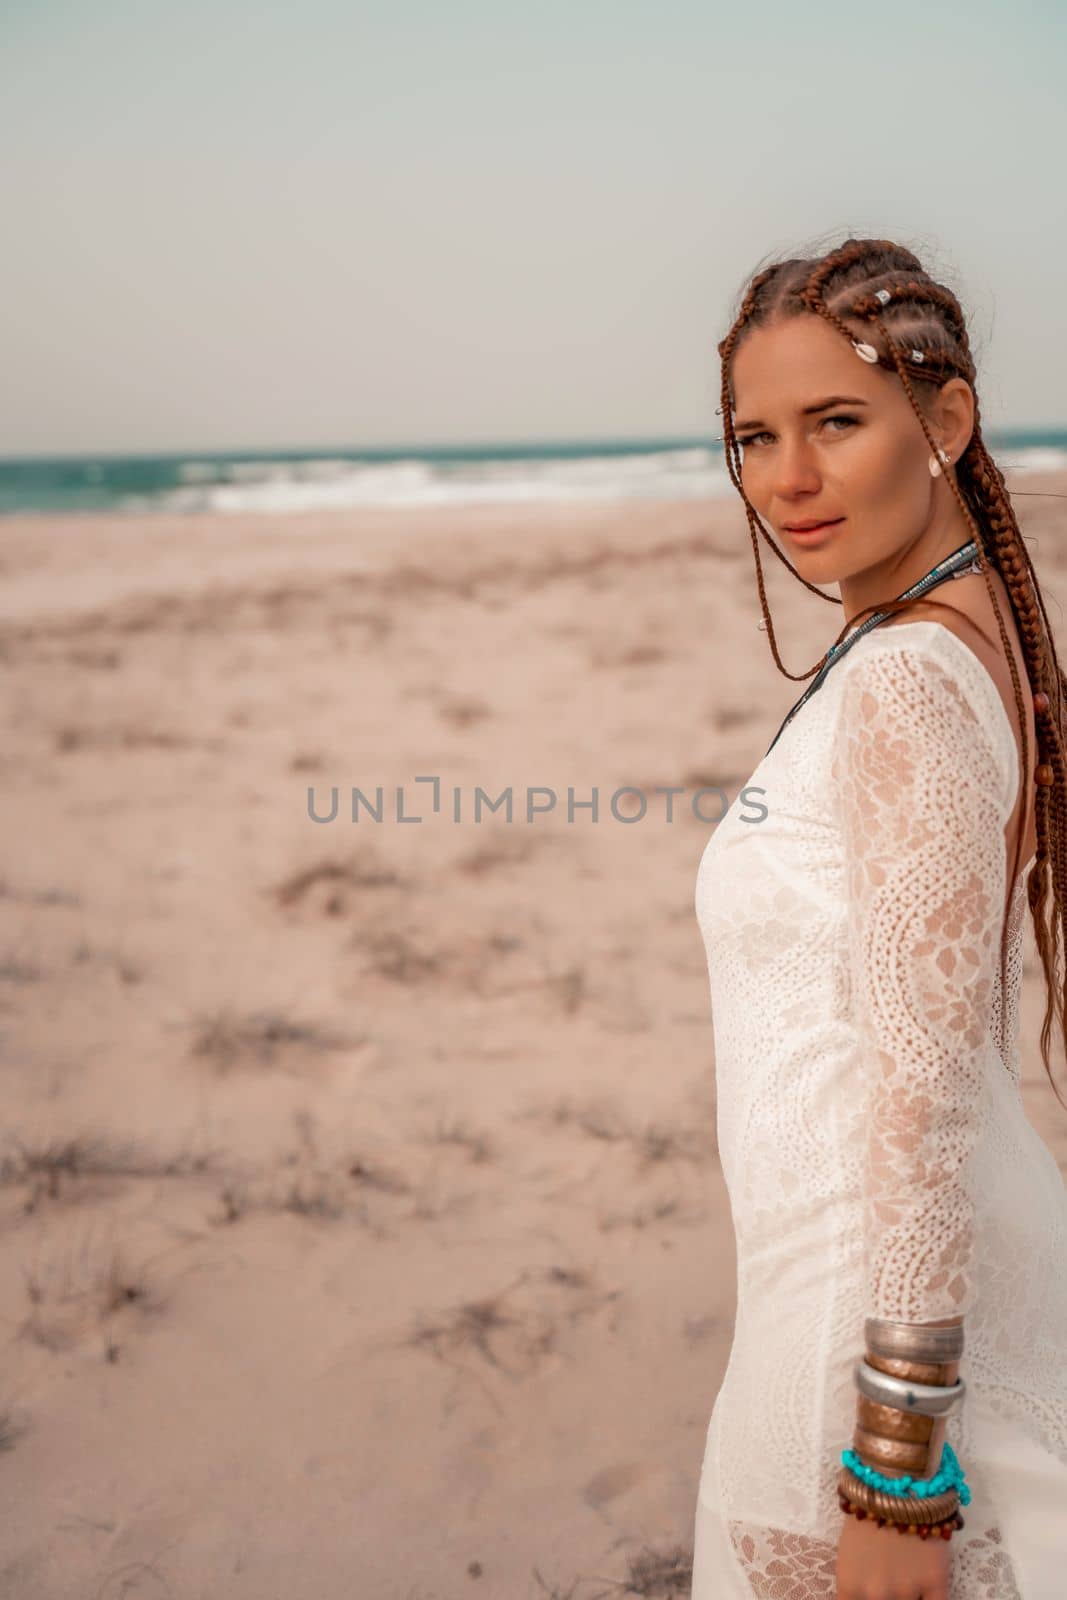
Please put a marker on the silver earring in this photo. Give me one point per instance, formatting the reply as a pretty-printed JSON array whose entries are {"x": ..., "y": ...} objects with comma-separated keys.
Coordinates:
[{"x": 935, "y": 464}]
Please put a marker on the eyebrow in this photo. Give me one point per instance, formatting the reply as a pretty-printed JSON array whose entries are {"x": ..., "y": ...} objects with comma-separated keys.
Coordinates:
[{"x": 820, "y": 405}]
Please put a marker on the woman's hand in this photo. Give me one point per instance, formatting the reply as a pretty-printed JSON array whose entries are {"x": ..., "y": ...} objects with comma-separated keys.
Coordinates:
[{"x": 876, "y": 1563}]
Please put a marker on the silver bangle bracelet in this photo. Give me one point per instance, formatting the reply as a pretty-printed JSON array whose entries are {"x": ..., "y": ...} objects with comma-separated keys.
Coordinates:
[
  {"x": 928, "y": 1399},
  {"x": 909, "y": 1341}
]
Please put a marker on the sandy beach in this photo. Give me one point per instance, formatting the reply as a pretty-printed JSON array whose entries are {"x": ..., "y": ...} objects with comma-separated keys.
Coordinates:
[{"x": 363, "y": 1230}]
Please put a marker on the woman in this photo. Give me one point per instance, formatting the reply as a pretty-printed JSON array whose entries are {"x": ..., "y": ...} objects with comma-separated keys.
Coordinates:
[{"x": 899, "y": 1223}]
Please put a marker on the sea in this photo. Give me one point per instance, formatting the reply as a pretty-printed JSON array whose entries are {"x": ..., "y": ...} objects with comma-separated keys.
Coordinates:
[{"x": 269, "y": 482}]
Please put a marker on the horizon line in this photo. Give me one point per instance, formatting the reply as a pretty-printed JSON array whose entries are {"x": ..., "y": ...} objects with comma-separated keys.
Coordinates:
[{"x": 475, "y": 446}]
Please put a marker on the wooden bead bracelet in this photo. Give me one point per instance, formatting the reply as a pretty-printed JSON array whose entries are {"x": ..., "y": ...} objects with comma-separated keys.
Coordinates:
[{"x": 923, "y": 1529}]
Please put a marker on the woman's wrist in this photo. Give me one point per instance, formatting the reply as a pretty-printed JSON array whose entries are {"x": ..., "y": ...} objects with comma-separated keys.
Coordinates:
[{"x": 900, "y": 1433}]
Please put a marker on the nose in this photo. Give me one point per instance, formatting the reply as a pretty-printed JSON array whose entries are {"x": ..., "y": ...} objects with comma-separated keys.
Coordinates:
[{"x": 795, "y": 473}]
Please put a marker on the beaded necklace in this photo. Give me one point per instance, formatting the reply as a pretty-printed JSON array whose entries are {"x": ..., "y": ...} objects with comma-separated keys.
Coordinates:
[{"x": 957, "y": 565}]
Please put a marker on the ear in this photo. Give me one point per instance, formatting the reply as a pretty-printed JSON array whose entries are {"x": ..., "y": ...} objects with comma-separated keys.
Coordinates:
[{"x": 952, "y": 416}]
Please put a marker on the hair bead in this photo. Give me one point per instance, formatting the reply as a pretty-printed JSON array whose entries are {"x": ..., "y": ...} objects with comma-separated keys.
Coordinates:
[{"x": 884, "y": 295}]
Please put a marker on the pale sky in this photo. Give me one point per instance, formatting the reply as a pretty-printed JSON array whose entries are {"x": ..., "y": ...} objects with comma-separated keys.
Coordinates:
[{"x": 238, "y": 226}]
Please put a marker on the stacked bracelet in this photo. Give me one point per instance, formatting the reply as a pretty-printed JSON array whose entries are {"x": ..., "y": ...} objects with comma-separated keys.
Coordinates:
[
  {"x": 910, "y": 1341},
  {"x": 907, "y": 1384},
  {"x": 888, "y": 1422},
  {"x": 895, "y": 1507},
  {"x": 900, "y": 1455},
  {"x": 948, "y": 1477},
  {"x": 928, "y": 1399},
  {"x": 925, "y": 1530}
]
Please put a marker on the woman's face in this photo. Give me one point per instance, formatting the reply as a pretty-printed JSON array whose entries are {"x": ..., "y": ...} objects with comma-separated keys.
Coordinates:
[{"x": 859, "y": 463}]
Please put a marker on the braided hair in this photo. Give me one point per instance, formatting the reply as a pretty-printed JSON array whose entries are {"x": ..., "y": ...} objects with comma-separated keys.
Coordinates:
[{"x": 879, "y": 292}]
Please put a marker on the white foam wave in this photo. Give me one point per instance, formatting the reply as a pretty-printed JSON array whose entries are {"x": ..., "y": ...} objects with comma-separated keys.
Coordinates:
[
  {"x": 281, "y": 486},
  {"x": 287, "y": 486},
  {"x": 1032, "y": 458}
]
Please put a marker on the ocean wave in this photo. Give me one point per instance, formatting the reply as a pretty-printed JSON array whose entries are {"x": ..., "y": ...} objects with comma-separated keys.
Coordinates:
[
  {"x": 279, "y": 484},
  {"x": 406, "y": 482}
]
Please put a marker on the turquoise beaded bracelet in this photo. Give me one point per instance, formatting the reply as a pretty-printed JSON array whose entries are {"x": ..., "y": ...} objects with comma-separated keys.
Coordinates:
[{"x": 949, "y": 1476}]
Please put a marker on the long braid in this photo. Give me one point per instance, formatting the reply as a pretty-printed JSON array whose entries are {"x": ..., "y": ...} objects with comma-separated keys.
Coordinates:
[
  {"x": 916, "y": 292},
  {"x": 1050, "y": 864},
  {"x": 922, "y": 335}
]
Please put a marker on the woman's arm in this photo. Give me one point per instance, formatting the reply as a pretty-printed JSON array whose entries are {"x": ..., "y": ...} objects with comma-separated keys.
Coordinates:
[{"x": 925, "y": 791}]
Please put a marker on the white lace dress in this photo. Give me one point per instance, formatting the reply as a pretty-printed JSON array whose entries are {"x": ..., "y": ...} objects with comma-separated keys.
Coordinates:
[{"x": 872, "y": 1134}]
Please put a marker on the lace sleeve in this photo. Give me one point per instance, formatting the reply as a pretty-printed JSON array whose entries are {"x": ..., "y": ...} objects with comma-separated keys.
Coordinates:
[{"x": 926, "y": 787}]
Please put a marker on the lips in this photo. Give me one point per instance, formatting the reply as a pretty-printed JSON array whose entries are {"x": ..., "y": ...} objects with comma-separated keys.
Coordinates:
[
  {"x": 813, "y": 535},
  {"x": 812, "y": 527}
]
